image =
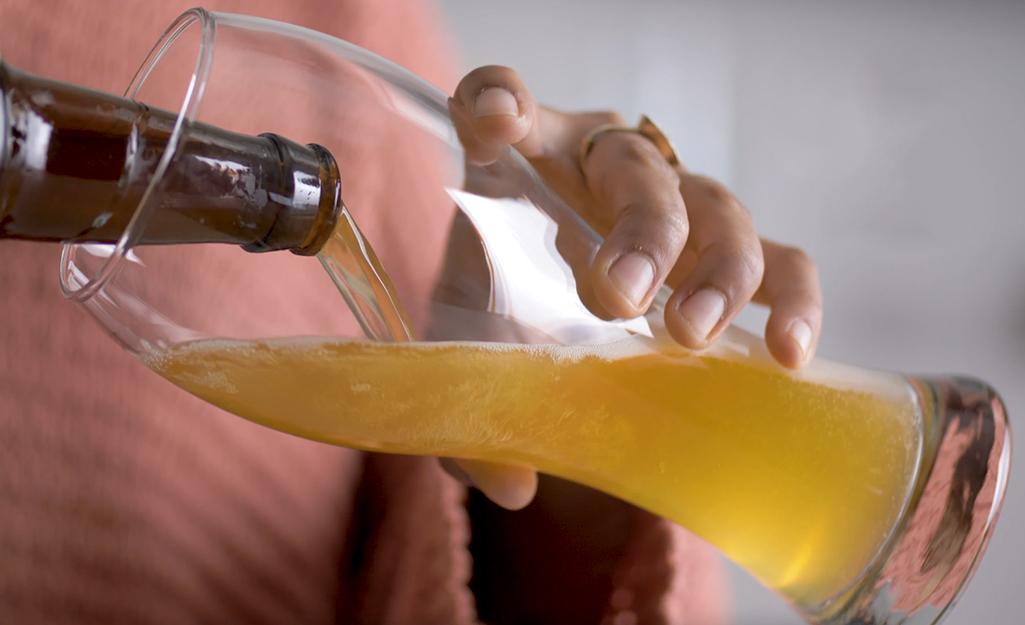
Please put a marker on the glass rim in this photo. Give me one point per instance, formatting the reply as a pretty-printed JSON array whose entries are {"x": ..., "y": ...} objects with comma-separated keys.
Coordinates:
[
  {"x": 74, "y": 285},
  {"x": 80, "y": 288}
]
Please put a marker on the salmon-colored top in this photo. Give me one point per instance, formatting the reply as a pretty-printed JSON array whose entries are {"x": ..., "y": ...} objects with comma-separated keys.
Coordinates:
[{"x": 125, "y": 500}]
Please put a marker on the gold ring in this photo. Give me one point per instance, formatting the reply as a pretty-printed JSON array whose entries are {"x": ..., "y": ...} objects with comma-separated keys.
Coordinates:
[{"x": 646, "y": 128}]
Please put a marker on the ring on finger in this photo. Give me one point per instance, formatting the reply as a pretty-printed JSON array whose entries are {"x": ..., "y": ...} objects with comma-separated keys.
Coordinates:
[{"x": 645, "y": 127}]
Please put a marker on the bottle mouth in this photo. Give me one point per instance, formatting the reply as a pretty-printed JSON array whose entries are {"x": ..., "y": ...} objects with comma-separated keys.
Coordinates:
[{"x": 87, "y": 268}]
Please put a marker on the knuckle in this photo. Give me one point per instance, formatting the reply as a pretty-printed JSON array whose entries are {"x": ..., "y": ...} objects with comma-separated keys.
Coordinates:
[
  {"x": 713, "y": 192},
  {"x": 799, "y": 261},
  {"x": 674, "y": 223},
  {"x": 748, "y": 266},
  {"x": 753, "y": 265},
  {"x": 635, "y": 150},
  {"x": 656, "y": 228},
  {"x": 663, "y": 222},
  {"x": 656, "y": 217},
  {"x": 612, "y": 118},
  {"x": 735, "y": 269},
  {"x": 739, "y": 268},
  {"x": 719, "y": 195}
]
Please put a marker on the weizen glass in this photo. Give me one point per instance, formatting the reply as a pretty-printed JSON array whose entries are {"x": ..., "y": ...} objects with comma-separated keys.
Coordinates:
[{"x": 859, "y": 496}]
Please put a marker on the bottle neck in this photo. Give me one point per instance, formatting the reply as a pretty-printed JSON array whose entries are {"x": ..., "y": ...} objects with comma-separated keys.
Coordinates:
[{"x": 75, "y": 165}]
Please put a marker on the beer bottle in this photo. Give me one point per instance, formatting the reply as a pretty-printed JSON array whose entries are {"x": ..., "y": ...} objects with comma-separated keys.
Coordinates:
[{"x": 76, "y": 164}]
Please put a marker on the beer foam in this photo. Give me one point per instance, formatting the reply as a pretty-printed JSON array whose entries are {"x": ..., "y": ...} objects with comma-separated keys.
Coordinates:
[
  {"x": 267, "y": 351},
  {"x": 623, "y": 348},
  {"x": 262, "y": 349}
]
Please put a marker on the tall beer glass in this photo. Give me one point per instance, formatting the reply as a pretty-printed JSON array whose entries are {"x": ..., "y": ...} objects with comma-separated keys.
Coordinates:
[{"x": 859, "y": 496}]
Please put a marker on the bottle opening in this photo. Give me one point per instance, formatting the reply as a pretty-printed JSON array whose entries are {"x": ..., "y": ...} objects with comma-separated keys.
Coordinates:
[{"x": 172, "y": 77}]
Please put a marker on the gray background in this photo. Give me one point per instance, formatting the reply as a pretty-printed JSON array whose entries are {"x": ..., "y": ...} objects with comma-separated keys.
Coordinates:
[{"x": 885, "y": 138}]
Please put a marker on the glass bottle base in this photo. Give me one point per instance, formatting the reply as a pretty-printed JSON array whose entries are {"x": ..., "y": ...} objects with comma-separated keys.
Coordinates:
[{"x": 947, "y": 525}]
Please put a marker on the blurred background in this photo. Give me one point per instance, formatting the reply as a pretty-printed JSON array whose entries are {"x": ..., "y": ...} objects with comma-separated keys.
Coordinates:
[{"x": 885, "y": 138}]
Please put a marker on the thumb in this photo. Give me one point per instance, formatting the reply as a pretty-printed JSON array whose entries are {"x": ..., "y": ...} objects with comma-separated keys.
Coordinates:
[{"x": 492, "y": 108}]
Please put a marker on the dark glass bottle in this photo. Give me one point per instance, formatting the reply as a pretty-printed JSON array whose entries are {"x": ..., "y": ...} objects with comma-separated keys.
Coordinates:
[{"x": 75, "y": 164}]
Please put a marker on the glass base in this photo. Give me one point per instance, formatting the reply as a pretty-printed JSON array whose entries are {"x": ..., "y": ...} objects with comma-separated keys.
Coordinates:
[{"x": 948, "y": 522}]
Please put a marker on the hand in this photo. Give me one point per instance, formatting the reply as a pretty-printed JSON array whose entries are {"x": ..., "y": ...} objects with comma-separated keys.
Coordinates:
[{"x": 662, "y": 224}]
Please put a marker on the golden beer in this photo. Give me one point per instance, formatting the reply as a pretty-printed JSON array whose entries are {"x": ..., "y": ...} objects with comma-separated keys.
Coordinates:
[{"x": 799, "y": 478}]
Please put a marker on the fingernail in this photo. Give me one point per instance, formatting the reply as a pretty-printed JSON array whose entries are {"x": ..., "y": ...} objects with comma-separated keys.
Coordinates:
[
  {"x": 495, "y": 101},
  {"x": 632, "y": 275},
  {"x": 703, "y": 310},
  {"x": 800, "y": 331}
]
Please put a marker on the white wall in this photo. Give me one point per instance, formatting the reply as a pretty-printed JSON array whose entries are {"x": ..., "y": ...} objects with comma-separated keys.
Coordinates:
[{"x": 887, "y": 139}]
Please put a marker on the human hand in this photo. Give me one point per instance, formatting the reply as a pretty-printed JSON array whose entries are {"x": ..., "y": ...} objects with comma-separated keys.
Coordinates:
[{"x": 662, "y": 225}]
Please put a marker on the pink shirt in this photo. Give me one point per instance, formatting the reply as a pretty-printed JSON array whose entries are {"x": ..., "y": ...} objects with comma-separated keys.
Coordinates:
[{"x": 123, "y": 499}]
